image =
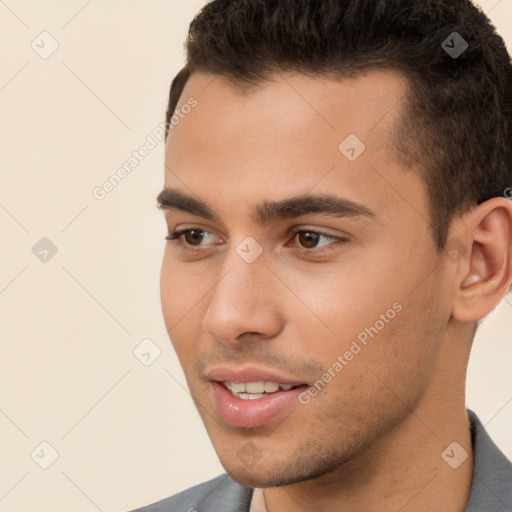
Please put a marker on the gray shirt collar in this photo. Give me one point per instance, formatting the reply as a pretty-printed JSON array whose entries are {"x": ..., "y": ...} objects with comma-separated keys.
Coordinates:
[{"x": 491, "y": 490}]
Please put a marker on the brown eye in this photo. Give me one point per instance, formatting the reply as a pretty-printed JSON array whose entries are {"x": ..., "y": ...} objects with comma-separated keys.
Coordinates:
[
  {"x": 194, "y": 236},
  {"x": 308, "y": 239}
]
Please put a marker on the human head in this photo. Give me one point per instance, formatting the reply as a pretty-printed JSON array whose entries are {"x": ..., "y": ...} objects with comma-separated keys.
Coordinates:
[{"x": 271, "y": 103}]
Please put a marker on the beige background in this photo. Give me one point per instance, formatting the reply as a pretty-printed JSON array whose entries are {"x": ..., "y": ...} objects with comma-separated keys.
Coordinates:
[{"x": 126, "y": 434}]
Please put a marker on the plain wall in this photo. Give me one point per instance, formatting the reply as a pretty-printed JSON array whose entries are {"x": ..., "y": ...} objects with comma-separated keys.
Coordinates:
[{"x": 126, "y": 434}]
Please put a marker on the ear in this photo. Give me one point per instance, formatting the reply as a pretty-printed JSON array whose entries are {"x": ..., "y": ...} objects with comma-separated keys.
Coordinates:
[{"x": 485, "y": 275}]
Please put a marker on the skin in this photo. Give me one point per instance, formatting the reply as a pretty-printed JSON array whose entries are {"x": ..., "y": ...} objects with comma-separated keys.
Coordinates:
[{"x": 372, "y": 439}]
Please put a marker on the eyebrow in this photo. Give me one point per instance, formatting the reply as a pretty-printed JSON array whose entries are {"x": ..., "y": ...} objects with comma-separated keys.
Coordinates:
[{"x": 269, "y": 211}]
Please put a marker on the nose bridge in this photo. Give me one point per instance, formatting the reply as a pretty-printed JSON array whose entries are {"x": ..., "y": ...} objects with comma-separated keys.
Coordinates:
[
  {"x": 244, "y": 283},
  {"x": 244, "y": 299},
  {"x": 245, "y": 269}
]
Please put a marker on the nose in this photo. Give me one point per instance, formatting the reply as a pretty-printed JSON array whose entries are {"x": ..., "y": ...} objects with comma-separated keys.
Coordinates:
[{"x": 244, "y": 301}]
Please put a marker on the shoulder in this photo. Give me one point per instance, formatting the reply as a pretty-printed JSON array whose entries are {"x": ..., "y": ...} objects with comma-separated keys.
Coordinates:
[
  {"x": 492, "y": 475},
  {"x": 220, "y": 493}
]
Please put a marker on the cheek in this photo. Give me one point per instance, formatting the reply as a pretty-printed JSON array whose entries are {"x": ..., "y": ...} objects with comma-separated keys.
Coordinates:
[
  {"x": 340, "y": 307},
  {"x": 368, "y": 291},
  {"x": 181, "y": 290},
  {"x": 182, "y": 305},
  {"x": 375, "y": 325},
  {"x": 389, "y": 365},
  {"x": 169, "y": 293}
]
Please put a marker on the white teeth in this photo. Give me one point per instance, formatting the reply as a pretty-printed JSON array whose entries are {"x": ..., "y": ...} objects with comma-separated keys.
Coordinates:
[
  {"x": 255, "y": 390},
  {"x": 271, "y": 387},
  {"x": 238, "y": 387},
  {"x": 255, "y": 387},
  {"x": 250, "y": 396}
]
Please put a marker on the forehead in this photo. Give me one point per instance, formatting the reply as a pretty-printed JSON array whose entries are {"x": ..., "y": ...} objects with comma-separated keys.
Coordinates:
[
  {"x": 289, "y": 111},
  {"x": 287, "y": 136},
  {"x": 358, "y": 102}
]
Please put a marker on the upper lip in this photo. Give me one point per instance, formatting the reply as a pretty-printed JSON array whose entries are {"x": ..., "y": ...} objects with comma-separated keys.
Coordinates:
[{"x": 249, "y": 374}]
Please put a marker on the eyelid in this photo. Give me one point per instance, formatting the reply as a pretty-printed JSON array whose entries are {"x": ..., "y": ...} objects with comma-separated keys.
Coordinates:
[
  {"x": 177, "y": 235},
  {"x": 316, "y": 231},
  {"x": 323, "y": 249}
]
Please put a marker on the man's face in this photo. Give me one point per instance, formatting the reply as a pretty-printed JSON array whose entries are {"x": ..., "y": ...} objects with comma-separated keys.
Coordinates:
[{"x": 352, "y": 299}]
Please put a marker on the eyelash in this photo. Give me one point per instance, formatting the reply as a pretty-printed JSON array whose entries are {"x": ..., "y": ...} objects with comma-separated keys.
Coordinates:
[{"x": 175, "y": 237}]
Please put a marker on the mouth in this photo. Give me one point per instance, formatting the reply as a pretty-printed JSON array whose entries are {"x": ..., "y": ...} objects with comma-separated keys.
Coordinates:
[
  {"x": 256, "y": 390},
  {"x": 253, "y": 398}
]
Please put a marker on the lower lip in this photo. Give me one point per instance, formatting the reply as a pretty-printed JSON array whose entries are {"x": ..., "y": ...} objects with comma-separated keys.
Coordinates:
[{"x": 253, "y": 413}]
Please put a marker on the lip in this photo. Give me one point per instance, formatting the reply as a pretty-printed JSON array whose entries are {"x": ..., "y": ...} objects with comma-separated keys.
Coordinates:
[
  {"x": 250, "y": 374},
  {"x": 253, "y": 413}
]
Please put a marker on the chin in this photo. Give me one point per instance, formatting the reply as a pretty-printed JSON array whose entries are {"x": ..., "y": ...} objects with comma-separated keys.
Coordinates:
[
  {"x": 276, "y": 473},
  {"x": 248, "y": 479},
  {"x": 260, "y": 478}
]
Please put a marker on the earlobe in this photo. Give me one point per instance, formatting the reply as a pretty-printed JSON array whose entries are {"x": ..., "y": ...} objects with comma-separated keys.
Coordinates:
[{"x": 489, "y": 273}]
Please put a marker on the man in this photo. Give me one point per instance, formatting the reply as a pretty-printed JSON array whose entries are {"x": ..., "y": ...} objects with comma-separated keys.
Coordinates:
[{"x": 334, "y": 194}]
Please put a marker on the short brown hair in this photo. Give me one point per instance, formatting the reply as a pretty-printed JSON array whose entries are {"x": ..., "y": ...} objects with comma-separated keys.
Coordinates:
[{"x": 457, "y": 123}]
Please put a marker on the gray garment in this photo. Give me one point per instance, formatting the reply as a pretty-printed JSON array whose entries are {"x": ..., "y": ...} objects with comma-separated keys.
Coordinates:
[{"x": 491, "y": 490}]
